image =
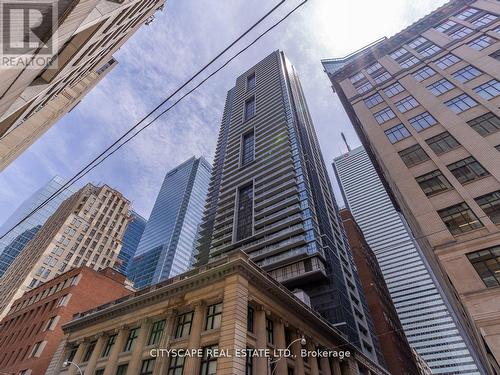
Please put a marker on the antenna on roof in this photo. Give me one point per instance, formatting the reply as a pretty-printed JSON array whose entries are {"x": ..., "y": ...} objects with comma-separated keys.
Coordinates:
[{"x": 345, "y": 141}]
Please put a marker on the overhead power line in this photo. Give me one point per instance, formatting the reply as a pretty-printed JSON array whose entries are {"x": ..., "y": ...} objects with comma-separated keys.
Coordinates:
[{"x": 136, "y": 129}]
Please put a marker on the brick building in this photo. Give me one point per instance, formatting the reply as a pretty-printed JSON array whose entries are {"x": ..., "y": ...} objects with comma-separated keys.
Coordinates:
[
  {"x": 229, "y": 304},
  {"x": 31, "y": 332},
  {"x": 393, "y": 343}
]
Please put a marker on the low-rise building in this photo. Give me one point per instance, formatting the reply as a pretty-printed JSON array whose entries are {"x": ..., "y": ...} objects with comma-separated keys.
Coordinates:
[
  {"x": 216, "y": 314},
  {"x": 31, "y": 332}
]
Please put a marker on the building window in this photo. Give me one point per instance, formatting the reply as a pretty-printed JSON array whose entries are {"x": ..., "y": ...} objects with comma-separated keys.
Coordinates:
[
  {"x": 487, "y": 265},
  {"x": 406, "y": 104},
  {"x": 484, "y": 20},
  {"x": 384, "y": 115},
  {"x": 485, "y": 124},
  {"x": 430, "y": 50},
  {"x": 244, "y": 223},
  {"x": 496, "y": 55},
  {"x": 214, "y": 314},
  {"x": 250, "y": 318},
  {"x": 397, "y": 133},
  {"x": 413, "y": 60},
  {"x": 433, "y": 183},
  {"x": 176, "y": 365},
  {"x": 250, "y": 108},
  {"x": 183, "y": 326},
  {"x": 132, "y": 337},
  {"x": 422, "y": 121},
  {"x": 251, "y": 81},
  {"x": 156, "y": 332},
  {"x": 51, "y": 323},
  {"x": 122, "y": 369},
  {"x": 269, "y": 331},
  {"x": 89, "y": 351},
  {"x": 413, "y": 155},
  {"x": 382, "y": 77},
  {"x": 447, "y": 61},
  {"x": 466, "y": 13},
  {"x": 489, "y": 90},
  {"x": 442, "y": 143},
  {"x": 466, "y": 74},
  {"x": 367, "y": 86},
  {"x": 147, "y": 366},
  {"x": 99, "y": 371},
  {"x": 373, "y": 100},
  {"x": 357, "y": 77},
  {"x": 37, "y": 350},
  {"x": 424, "y": 73},
  {"x": 440, "y": 87},
  {"x": 445, "y": 26},
  {"x": 460, "y": 33},
  {"x": 109, "y": 345},
  {"x": 393, "y": 89},
  {"x": 247, "y": 147},
  {"x": 490, "y": 204},
  {"x": 249, "y": 362},
  {"x": 461, "y": 103},
  {"x": 72, "y": 353},
  {"x": 459, "y": 219},
  {"x": 399, "y": 53},
  {"x": 467, "y": 170},
  {"x": 209, "y": 361},
  {"x": 482, "y": 42}
]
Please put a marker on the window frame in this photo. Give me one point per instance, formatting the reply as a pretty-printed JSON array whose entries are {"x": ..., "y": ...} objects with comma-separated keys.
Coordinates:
[{"x": 213, "y": 318}]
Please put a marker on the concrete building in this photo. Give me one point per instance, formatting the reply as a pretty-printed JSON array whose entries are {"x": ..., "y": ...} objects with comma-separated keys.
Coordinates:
[
  {"x": 433, "y": 327},
  {"x": 425, "y": 106},
  {"x": 131, "y": 239},
  {"x": 34, "y": 95},
  {"x": 31, "y": 332},
  {"x": 229, "y": 305},
  {"x": 168, "y": 242},
  {"x": 16, "y": 237},
  {"x": 270, "y": 196},
  {"x": 398, "y": 355},
  {"x": 87, "y": 229}
]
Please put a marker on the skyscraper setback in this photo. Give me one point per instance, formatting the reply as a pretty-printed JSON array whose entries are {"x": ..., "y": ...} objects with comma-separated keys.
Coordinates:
[
  {"x": 17, "y": 234},
  {"x": 169, "y": 239},
  {"x": 425, "y": 104},
  {"x": 271, "y": 197}
]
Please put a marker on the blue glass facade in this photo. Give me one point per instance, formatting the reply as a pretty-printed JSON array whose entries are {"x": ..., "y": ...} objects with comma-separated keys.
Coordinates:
[
  {"x": 167, "y": 244},
  {"x": 15, "y": 240},
  {"x": 131, "y": 238}
]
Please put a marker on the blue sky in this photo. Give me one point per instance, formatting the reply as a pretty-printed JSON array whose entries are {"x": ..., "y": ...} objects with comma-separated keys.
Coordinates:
[{"x": 161, "y": 56}]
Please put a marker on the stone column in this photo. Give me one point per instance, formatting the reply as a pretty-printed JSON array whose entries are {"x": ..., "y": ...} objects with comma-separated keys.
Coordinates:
[
  {"x": 134, "y": 366},
  {"x": 349, "y": 367},
  {"x": 192, "y": 365},
  {"x": 261, "y": 363},
  {"x": 325, "y": 366},
  {"x": 280, "y": 343},
  {"x": 296, "y": 347},
  {"x": 161, "y": 362},
  {"x": 112, "y": 362},
  {"x": 336, "y": 366},
  {"x": 233, "y": 330},
  {"x": 313, "y": 361},
  {"x": 90, "y": 368},
  {"x": 72, "y": 370}
]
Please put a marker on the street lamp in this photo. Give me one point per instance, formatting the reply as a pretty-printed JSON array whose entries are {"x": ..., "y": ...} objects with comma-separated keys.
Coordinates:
[
  {"x": 67, "y": 363},
  {"x": 302, "y": 342}
]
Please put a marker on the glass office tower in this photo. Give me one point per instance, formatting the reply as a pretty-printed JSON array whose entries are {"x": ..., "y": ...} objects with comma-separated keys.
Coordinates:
[
  {"x": 270, "y": 196},
  {"x": 131, "y": 238},
  {"x": 168, "y": 242},
  {"x": 429, "y": 321},
  {"x": 15, "y": 240}
]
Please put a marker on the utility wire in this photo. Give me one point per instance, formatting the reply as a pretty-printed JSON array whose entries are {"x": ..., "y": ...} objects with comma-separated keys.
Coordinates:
[{"x": 95, "y": 162}]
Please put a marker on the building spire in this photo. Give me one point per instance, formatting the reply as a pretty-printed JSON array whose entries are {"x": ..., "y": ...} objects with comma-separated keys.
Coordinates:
[{"x": 345, "y": 141}]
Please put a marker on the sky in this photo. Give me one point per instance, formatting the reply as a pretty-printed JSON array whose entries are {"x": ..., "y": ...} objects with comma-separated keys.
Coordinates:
[{"x": 161, "y": 56}]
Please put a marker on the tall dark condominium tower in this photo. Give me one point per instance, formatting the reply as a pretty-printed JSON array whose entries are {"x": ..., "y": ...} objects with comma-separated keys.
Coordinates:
[
  {"x": 271, "y": 197},
  {"x": 131, "y": 239},
  {"x": 16, "y": 235},
  {"x": 425, "y": 104},
  {"x": 167, "y": 244}
]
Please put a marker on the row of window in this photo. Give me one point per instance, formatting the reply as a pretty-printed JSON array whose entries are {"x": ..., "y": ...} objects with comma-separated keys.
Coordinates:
[{"x": 460, "y": 218}]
